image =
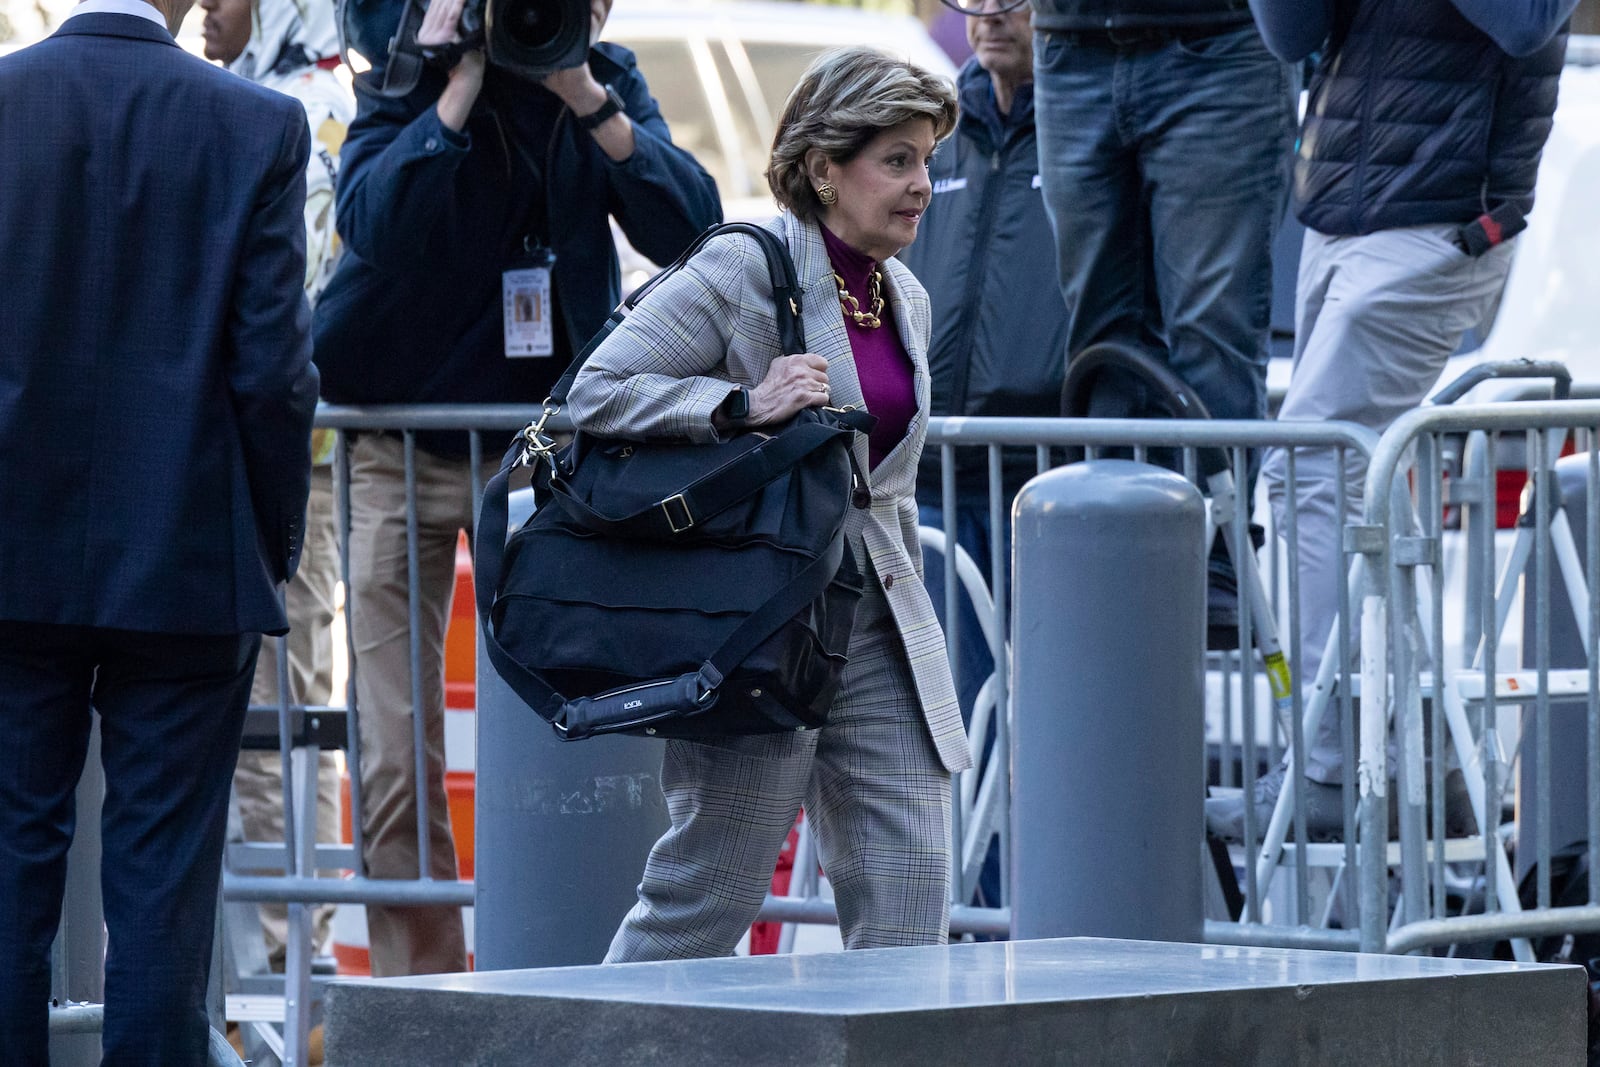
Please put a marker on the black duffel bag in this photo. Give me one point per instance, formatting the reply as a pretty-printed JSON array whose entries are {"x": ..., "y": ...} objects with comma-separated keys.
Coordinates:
[{"x": 677, "y": 589}]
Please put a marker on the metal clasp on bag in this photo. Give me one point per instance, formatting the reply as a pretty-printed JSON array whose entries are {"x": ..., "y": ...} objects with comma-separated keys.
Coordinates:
[
  {"x": 536, "y": 444},
  {"x": 684, "y": 519}
]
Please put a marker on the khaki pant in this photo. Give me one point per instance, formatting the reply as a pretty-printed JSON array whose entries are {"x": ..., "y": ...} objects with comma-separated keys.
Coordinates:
[
  {"x": 404, "y": 940},
  {"x": 258, "y": 781}
]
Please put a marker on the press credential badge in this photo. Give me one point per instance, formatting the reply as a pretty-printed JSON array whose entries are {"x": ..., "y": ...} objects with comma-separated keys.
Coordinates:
[{"x": 525, "y": 295}]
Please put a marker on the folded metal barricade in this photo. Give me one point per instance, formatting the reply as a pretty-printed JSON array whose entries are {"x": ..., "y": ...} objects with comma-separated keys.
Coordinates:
[
  {"x": 1465, "y": 686},
  {"x": 1444, "y": 871}
]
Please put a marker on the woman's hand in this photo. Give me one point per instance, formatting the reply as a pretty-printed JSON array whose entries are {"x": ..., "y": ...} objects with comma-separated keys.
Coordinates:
[
  {"x": 792, "y": 383},
  {"x": 441, "y": 26}
]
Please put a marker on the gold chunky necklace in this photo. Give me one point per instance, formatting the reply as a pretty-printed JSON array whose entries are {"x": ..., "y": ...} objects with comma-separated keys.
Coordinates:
[{"x": 852, "y": 307}]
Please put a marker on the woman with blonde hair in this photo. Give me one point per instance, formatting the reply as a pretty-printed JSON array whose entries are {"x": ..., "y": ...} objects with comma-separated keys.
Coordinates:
[{"x": 699, "y": 359}]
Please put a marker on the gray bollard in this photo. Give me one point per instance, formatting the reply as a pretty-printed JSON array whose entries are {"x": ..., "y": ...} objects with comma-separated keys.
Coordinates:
[
  {"x": 562, "y": 829},
  {"x": 1108, "y": 704}
]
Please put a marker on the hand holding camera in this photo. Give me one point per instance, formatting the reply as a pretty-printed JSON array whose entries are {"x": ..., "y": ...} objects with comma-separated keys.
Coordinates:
[
  {"x": 532, "y": 39},
  {"x": 440, "y": 30},
  {"x": 577, "y": 88}
]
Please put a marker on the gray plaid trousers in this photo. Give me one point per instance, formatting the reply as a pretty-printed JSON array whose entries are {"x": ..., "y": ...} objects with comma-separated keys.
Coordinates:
[{"x": 875, "y": 791}]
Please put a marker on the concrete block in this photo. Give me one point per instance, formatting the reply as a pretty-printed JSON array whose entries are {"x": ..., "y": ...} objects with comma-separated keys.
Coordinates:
[{"x": 1086, "y": 1002}]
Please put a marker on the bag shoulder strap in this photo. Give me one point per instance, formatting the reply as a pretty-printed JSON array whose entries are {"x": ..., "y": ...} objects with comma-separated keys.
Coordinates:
[
  {"x": 785, "y": 296},
  {"x": 488, "y": 560}
]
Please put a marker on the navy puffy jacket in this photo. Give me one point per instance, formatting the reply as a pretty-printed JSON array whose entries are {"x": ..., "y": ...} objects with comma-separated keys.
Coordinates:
[{"x": 1419, "y": 117}]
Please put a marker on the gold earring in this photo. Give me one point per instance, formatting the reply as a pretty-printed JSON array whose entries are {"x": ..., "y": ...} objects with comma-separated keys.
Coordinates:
[{"x": 827, "y": 194}]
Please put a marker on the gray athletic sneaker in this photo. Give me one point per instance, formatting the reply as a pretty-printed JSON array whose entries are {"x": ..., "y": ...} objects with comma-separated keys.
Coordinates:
[{"x": 1324, "y": 813}]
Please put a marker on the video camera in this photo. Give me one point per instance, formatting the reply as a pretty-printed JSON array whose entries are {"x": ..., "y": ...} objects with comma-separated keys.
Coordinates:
[{"x": 528, "y": 38}]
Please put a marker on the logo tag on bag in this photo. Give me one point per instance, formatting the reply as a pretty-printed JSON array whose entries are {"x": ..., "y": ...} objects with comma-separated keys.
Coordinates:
[{"x": 630, "y": 705}]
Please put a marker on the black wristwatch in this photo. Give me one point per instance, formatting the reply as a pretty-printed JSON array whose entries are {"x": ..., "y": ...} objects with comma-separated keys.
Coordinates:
[
  {"x": 737, "y": 404},
  {"x": 613, "y": 105}
]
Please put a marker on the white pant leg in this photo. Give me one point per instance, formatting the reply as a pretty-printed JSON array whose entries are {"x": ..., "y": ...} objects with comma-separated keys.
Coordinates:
[{"x": 1376, "y": 318}]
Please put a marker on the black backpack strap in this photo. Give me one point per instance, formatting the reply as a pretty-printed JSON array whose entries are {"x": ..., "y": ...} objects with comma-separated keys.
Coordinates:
[
  {"x": 785, "y": 297},
  {"x": 808, "y": 583}
]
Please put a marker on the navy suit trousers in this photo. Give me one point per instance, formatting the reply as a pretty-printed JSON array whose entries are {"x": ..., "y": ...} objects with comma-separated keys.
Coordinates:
[{"x": 172, "y": 708}]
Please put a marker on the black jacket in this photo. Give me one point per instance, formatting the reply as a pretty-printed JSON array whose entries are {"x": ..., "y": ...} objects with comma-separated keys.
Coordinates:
[
  {"x": 1136, "y": 14},
  {"x": 430, "y": 218},
  {"x": 156, "y": 388},
  {"x": 987, "y": 256},
  {"x": 1417, "y": 116}
]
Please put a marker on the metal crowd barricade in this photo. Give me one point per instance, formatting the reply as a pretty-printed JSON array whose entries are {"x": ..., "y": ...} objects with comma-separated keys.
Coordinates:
[
  {"x": 1254, "y": 734},
  {"x": 290, "y": 1000},
  {"x": 1465, "y": 686},
  {"x": 1252, "y": 730}
]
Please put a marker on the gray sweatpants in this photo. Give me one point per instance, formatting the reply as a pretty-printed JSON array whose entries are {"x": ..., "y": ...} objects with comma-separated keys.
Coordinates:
[{"x": 1375, "y": 319}]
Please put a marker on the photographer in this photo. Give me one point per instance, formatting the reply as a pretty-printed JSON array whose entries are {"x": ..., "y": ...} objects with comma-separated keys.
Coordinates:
[{"x": 476, "y": 202}]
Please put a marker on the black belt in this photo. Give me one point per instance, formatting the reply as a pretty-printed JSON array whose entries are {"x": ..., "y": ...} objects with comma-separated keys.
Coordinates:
[{"x": 1143, "y": 36}]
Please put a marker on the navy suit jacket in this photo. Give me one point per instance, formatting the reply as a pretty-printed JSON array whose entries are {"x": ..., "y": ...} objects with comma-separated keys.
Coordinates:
[{"x": 156, "y": 386}]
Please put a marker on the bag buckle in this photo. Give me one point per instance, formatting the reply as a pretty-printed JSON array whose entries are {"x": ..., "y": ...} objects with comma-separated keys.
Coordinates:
[
  {"x": 536, "y": 444},
  {"x": 684, "y": 518}
]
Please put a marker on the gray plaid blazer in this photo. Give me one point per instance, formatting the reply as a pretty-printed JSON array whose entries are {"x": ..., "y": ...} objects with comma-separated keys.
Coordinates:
[{"x": 667, "y": 367}]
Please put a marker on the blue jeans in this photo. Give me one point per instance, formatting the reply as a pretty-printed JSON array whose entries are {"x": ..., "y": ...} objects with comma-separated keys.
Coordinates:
[{"x": 1164, "y": 167}]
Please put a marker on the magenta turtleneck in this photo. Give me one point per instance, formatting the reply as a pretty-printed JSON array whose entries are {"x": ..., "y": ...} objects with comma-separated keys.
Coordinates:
[{"x": 882, "y": 363}]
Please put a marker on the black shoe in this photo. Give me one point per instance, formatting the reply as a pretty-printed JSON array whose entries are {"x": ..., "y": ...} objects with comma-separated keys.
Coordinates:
[{"x": 1459, "y": 819}]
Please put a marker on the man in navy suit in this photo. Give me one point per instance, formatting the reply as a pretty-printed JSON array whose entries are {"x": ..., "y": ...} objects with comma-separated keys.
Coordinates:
[{"x": 156, "y": 395}]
